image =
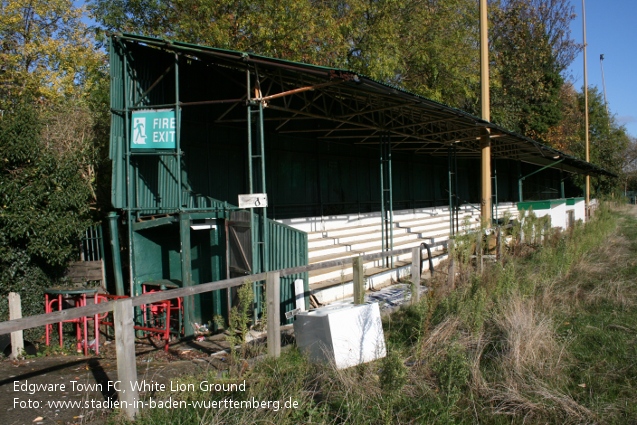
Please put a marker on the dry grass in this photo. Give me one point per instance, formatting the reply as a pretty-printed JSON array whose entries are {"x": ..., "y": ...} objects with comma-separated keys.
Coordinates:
[
  {"x": 599, "y": 276},
  {"x": 532, "y": 400},
  {"x": 528, "y": 337}
]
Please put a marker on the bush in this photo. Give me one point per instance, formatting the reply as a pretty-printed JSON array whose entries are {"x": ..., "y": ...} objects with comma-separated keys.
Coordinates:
[{"x": 44, "y": 208}]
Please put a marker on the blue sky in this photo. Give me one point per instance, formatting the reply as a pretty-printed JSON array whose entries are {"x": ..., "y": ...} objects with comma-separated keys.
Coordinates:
[{"x": 611, "y": 30}]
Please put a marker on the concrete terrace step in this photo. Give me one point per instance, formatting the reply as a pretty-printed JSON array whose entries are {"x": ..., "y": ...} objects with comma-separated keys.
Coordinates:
[
  {"x": 359, "y": 245},
  {"x": 341, "y": 287},
  {"x": 361, "y": 232},
  {"x": 338, "y": 272},
  {"x": 341, "y": 237}
]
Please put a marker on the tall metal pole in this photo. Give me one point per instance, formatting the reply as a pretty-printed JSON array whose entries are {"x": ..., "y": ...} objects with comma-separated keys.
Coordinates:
[
  {"x": 588, "y": 177},
  {"x": 485, "y": 141},
  {"x": 601, "y": 64}
]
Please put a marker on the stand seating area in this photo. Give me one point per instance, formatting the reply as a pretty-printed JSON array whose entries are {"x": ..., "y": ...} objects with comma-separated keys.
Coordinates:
[{"x": 339, "y": 237}]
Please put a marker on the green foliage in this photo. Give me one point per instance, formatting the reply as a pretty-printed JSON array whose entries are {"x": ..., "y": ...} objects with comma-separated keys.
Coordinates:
[
  {"x": 43, "y": 209},
  {"x": 526, "y": 96},
  {"x": 453, "y": 374},
  {"x": 240, "y": 319},
  {"x": 46, "y": 52},
  {"x": 393, "y": 375},
  {"x": 608, "y": 140}
]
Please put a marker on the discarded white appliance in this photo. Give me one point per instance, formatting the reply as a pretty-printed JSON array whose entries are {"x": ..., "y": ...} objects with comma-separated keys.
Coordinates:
[{"x": 345, "y": 334}]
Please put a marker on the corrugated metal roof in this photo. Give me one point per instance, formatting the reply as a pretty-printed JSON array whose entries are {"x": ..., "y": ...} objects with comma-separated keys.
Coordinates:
[{"x": 369, "y": 108}]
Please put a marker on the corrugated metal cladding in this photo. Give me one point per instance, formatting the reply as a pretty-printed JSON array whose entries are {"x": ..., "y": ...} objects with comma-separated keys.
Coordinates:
[
  {"x": 287, "y": 246},
  {"x": 213, "y": 163}
]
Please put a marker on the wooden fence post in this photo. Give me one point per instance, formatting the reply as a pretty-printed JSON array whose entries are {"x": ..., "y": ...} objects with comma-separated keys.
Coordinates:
[
  {"x": 451, "y": 277},
  {"x": 273, "y": 295},
  {"x": 359, "y": 280},
  {"x": 415, "y": 275},
  {"x": 125, "y": 349},
  {"x": 479, "y": 251},
  {"x": 498, "y": 249},
  {"x": 15, "y": 312}
]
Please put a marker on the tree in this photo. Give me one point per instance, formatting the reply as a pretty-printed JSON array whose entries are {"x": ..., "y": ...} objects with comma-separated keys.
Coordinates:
[
  {"x": 609, "y": 144},
  {"x": 52, "y": 129},
  {"x": 301, "y": 30},
  {"x": 441, "y": 48},
  {"x": 45, "y": 51},
  {"x": 44, "y": 206},
  {"x": 527, "y": 94}
]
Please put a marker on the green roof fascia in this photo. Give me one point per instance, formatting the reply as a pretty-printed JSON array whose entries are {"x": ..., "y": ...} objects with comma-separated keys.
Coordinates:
[
  {"x": 573, "y": 201},
  {"x": 540, "y": 205}
]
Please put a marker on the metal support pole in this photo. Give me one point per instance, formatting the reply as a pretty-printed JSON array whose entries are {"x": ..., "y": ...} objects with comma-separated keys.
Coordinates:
[
  {"x": 391, "y": 200},
  {"x": 383, "y": 224},
  {"x": 264, "y": 211},
  {"x": 495, "y": 190},
  {"x": 451, "y": 227},
  {"x": 456, "y": 203},
  {"x": 588, "y": 177},
  {"x": 253, "y": 228},
  {"x": 180, "y": 189},
  {"x": 186, "y": 272},
  {"x": 129, "y": 184},
  {"x": 485, "y": 141},
  {"x": 387, "y": 213},
  {"x": 115, "y": 253}
]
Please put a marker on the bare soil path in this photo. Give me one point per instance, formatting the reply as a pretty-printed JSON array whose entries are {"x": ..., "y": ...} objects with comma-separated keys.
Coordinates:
[{"x": 32, "y": 391}]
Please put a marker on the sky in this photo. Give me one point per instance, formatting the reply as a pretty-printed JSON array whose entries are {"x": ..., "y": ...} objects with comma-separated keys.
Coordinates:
[{"x": 611, "y": 30}]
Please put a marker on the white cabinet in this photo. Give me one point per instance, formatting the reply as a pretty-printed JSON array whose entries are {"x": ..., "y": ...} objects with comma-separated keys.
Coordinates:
[{"x": 345, "y": 334}]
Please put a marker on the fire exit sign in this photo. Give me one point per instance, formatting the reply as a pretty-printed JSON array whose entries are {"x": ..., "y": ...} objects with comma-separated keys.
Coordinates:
[{"x": 153, "y": 129}]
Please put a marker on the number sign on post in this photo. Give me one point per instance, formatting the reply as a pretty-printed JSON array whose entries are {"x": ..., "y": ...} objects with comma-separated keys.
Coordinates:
[{"x": 253, "y": 200}]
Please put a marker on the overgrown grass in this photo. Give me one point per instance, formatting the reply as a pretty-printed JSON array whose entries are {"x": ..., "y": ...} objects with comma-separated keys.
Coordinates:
[{"x": 549, "y": 336}]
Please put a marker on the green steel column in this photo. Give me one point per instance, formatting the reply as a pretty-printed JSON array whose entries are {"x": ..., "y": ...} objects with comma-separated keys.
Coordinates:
[
  {"x": 562, "y": 191},
  {"x": 494, "y": 205},
  {"x": 264, "y": 240},
  {"x": 520, "y": 197},
  {"x": 264, "y": 211},
  {"x": 129, "y": 183},
  {"x": 253, "y": 228},
  {"x": 387, "y": 214},
  {"x": 180, "y": 191},
  {"x": 383, "y": 225},
  {"x": 456, "y": 208},
  {"x": 451, "y": 229},
  {"x": 391, "y": 201},
  {"x": 186, "y": 271},
  {"x": 115, "y": 253}
]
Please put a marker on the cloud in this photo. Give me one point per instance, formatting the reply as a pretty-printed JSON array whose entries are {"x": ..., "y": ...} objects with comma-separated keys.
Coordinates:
[{"x": 626, "y": 119}]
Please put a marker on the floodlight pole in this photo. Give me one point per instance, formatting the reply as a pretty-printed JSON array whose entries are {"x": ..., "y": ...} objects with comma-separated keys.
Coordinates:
[
  {"x": 485, "y": 141},
  {"x": 588, "y": 159}
]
